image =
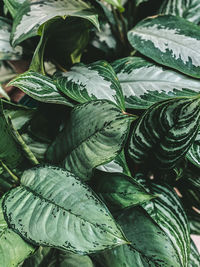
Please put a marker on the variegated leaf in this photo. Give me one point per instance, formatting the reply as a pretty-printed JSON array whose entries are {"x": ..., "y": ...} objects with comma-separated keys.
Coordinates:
[
  {"x": 90, "y": 82},
  {"x": 33, "y": 14},
  {"x": 7, "y": 52},
  {"x": 53, "y": 208},
  {"x": 40, "y": 87},
  {"x": 167, "y": 211},
  {"x": 13, "y": 249},
  {"x": 145, "y": 83},
  {"x": 193, "y": 154},
  {"x": 165, "y": 132},
  {"x": 150, "y": 245},
  {"x": 194, "y": 256},
  {"x": 13, "y": 6},
  {"x": 194, "y": 220},
  {"x": 169, "y": 40},
  {"x": 95, "y": 133},
  {"x": 188, "y": 9}
]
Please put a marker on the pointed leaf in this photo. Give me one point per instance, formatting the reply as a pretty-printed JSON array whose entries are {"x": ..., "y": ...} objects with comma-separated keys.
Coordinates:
[
  {"x": 33, "y": 14},
  {"x": 13, "y": 249},
  {"x": 90, "y": 82},
  {"x": 145, "y": 83},
  {"x": 40, "y": 87},
  {"x": 169, "y": 40},
  {"x": 95, "y": 133},
  {"x": 52, "y": 207},
  {"x": 165, "y": 132},
  {"x": 150, "y": 246}
]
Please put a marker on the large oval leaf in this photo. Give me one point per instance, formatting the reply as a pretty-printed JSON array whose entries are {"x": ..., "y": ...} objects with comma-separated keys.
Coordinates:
[
  {"x": 33, "y": 14},
  {"x": 13, "y": 249},
  {"x": 40, "y": 87},
  {"x": 95, "y": 134},
  {"x": 90, "y": 82},
  {"x": 150, "y": 246},
  {"x": 145, "y": 83},
  {"x": 165, "y": 132},
  {"x": 52, "y": 207},
  {"x": 169, "y": 40}
]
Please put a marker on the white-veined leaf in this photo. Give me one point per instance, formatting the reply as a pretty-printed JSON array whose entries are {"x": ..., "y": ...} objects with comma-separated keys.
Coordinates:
[
  {"x": 165, "y": 132},
  {"x": 169, "y": 40},
  {"x": 40, "y": 87},
  {"x": 52, "y": 207},
  {"x": 193, "y": 154},
  {"x": 33, "y": 14},
  {"x": 13, "y": 249},
  {"x": 95, "y": 133},
  {"x": 145, "y": 83},
  {"x": 90, "y": 82},
  {"x": 194, "y": 256}
]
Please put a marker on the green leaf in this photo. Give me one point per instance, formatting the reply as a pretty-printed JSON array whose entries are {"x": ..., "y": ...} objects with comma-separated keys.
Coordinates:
[
  {"x": 169, "y": 40},
  {"x": 165, "y": 132},
  {"x": 7, "y": 52},
  {"x": 145, "y": 83},
  {"x": 40, "y": 87},
  {"x": 194, "y": 256},
  {"x": 3, "y": 93},
  {"x": 119, "y": 190},
  {"x": 138, "y": 2},
  {"x": 193, "y": 154},
  {"x": 95, "y": 133},
  {"x": 189, "y": 10},
  {"x": 150, "y": 246},
  {"x": 6, "y": 73},
  {"x": 33, "y": 14},
  {"x": 194, "y": 220},
  {"x": 53, "y": 208},
  {"x": 167, "y": 211},
  {"x": 90, "y": 82},
  {"x": 13, "y": 249},
  {"x": 13, "y": 6},
  {"x": 115, "y": 3}
]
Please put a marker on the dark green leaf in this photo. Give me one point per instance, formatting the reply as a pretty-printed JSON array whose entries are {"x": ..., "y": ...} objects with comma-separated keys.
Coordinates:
[
  {"x": 169, "y": 40},
  {"x": 193, "y": 154},
  {"x": 165, "y": 132},
  {"x": 194, "y": 256},
  {"x": 52, "y": 207},
  {"x": 90, "y": 82},
  {"x": 95, "y": 133}
]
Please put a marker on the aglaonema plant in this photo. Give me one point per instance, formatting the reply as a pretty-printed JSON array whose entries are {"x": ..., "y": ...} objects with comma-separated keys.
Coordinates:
[{"x": 100, "y": 158}]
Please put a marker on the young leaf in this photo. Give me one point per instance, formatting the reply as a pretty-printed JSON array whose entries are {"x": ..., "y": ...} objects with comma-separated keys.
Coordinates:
[
  {"x": 52, "y": 207},
  {"x": 90, "y": 82},
  {"x": 95, "y": 134},
  {"x": 7, "y": 52},
  {"x": 13, "y": 249},
  {"x": 40, "y": 87},
  {"x": 165, "y": 132},
  {"x": 169, "y": 40},
  {"x": 150, "y": 246},
  {"x": 119, "y": 190},
  {"x": 33, "y": 14},
  {"x": 145, "y": 83}
]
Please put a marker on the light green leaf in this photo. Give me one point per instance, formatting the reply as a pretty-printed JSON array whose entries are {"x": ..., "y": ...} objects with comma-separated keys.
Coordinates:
[
  {"x": 166, "y": 210},
  {"x": 40, "y": 87},
  {"x": 194, "y": 256},
  {"x": 165, "y": 132},
  {"x": 145, "y": 83},
  {"x": 3, "y": 93},
  {"x": 13, "y": 249},
  {"x": 13, "y": 6},
  {"x": 119, "y": 190},
  {"x": 169, "y": 40},
  {"x": 7, "y": 52},
  {"x": 150, "y": 246},
  {"x": 188, "y": 9},
  {"x": 90, "y": 82},
  {"x": 53, "y": 208},
  {"x": 95, "y": 133},
  {"x": 33, "y": 14}
]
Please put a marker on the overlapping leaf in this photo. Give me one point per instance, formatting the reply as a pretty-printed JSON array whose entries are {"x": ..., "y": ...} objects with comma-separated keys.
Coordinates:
[
  {"x": 7, "y": 52},
  {"x": 194, "y": 256},
  {"x": 145, "y": 83},
  {"x": 165, "y": 132},
  {"x": 169, "y": 40},
  {"x": 40, "y": 87},
  {"x": 33, "y": 14},
  {"x": 52, "y": 207},
  {"x": 13, "y": 6},
  {"x": 90, "y": 82},
  {"x": 95, "y": 134},
  {"x": 150, "y": 246},
  {"x": 193, "y": 154},
  {"x": 13, "y": 249}
]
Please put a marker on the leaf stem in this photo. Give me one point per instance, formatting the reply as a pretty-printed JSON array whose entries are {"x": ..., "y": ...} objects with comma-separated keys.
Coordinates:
[{"x": 14, "y": 177}]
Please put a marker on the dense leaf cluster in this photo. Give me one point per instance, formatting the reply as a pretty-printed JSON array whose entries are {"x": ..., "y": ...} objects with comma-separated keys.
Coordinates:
[{"x": 100, "y": 159}]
